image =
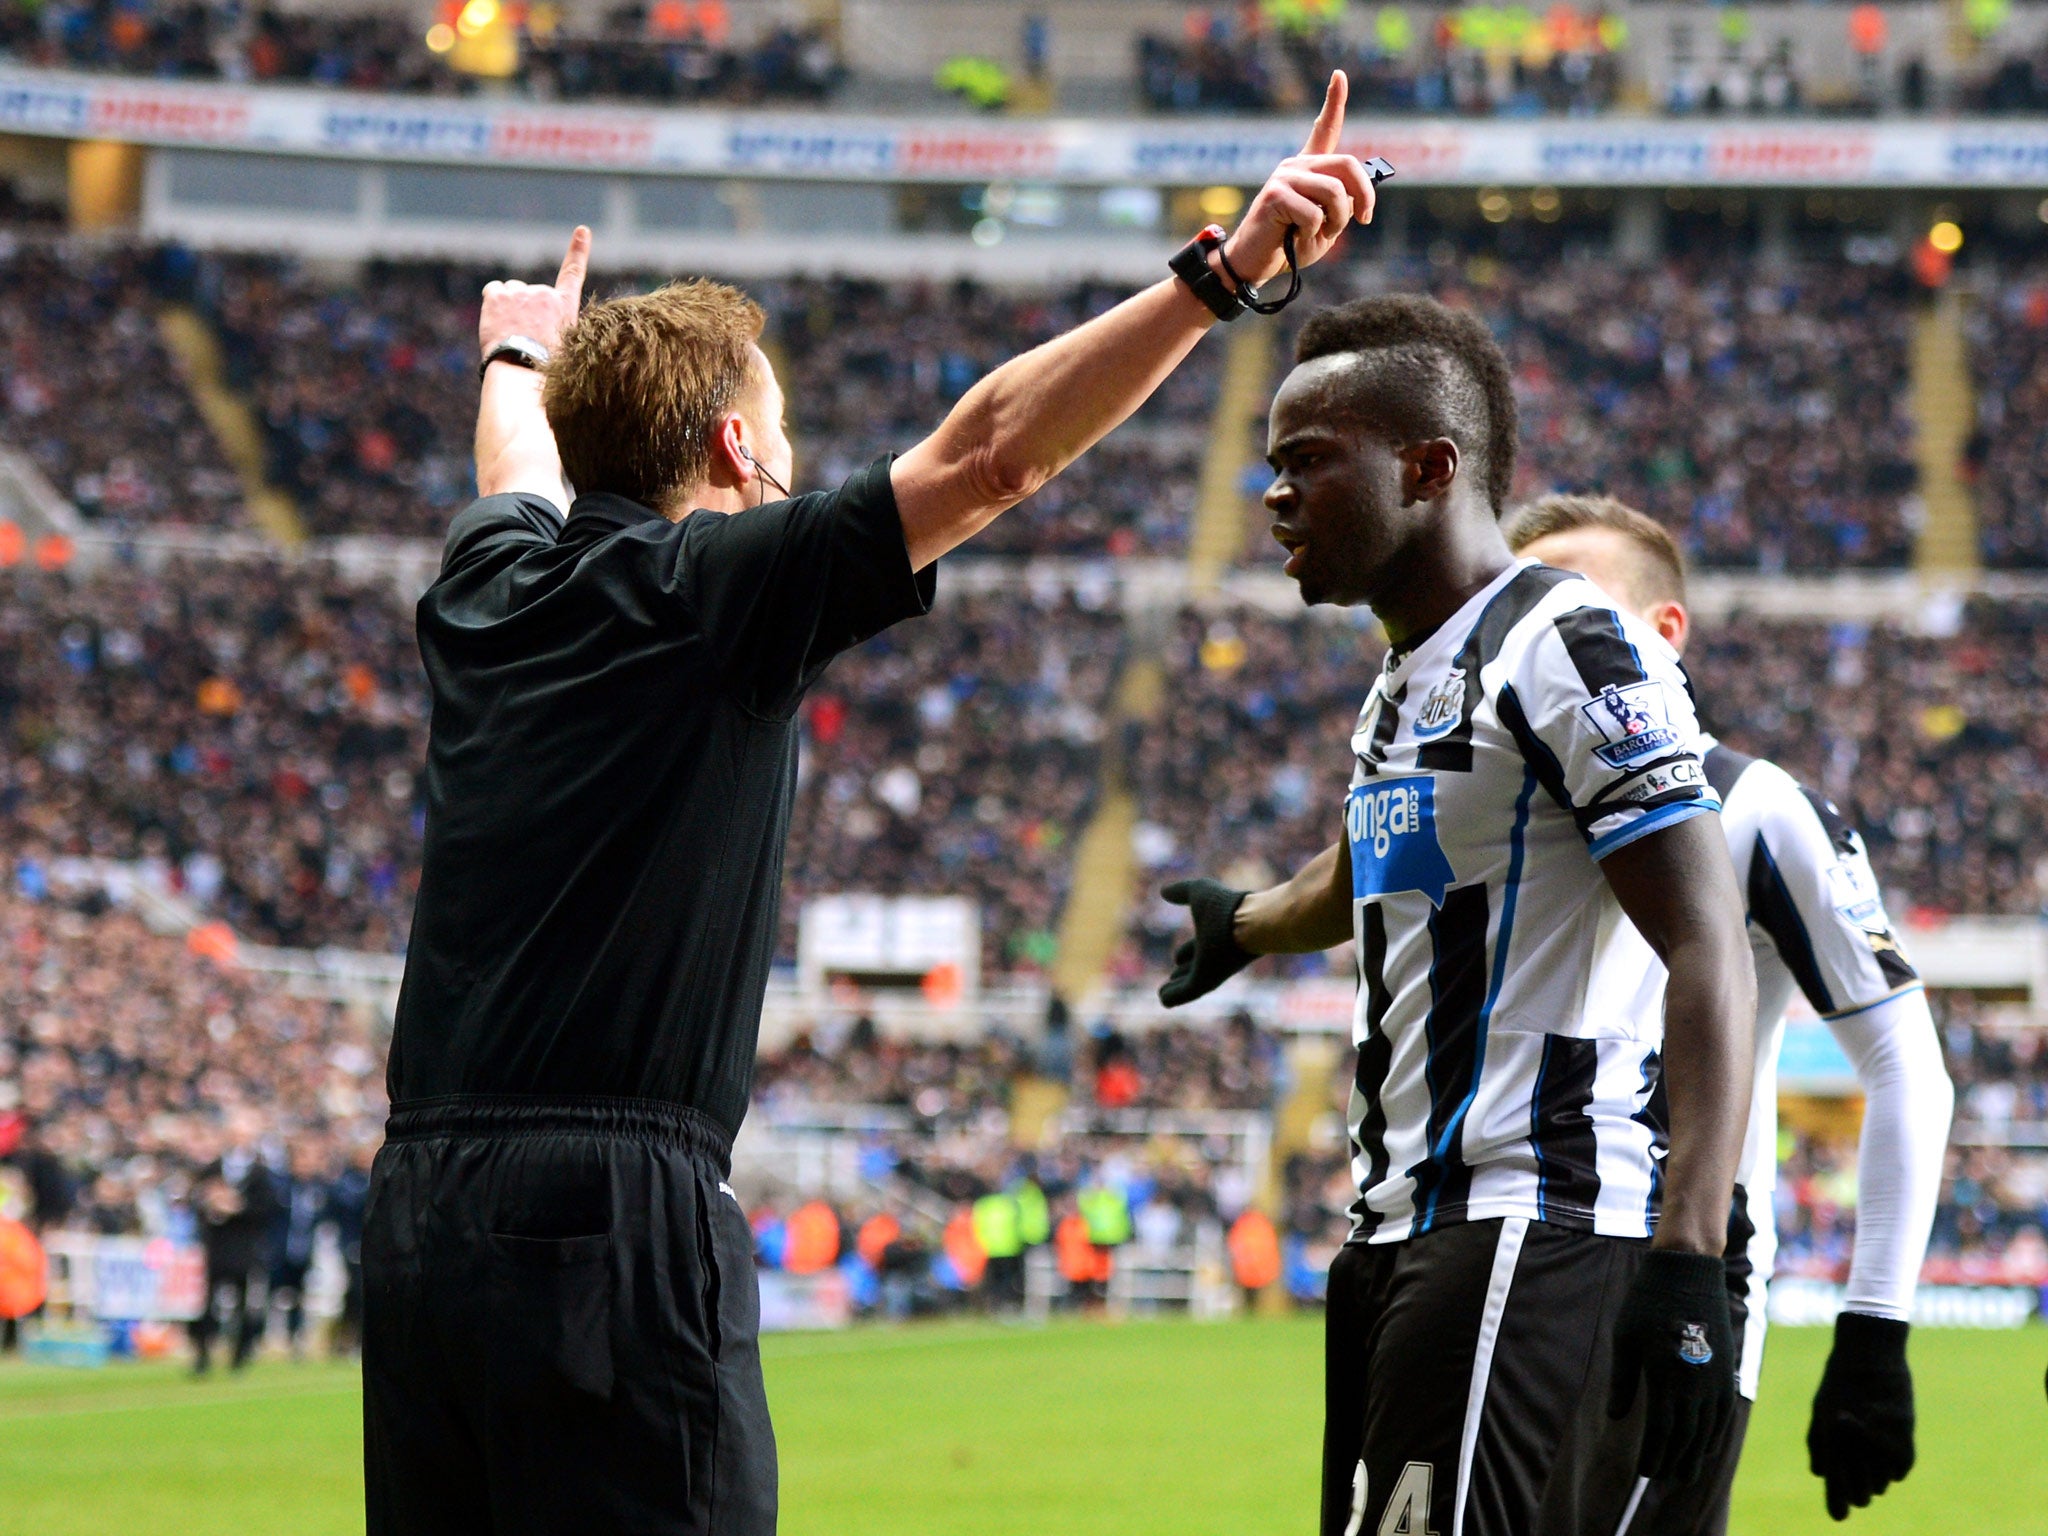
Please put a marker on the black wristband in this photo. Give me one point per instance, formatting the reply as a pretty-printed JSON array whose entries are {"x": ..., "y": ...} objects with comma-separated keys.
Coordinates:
[
  {"x": 1191, "y": 265},
  {"x": 521, "y": 351}
]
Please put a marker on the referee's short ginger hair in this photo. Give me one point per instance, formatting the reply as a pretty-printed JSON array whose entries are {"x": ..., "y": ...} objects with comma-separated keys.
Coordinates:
[
  {"x": 1434, "y": 372},
  {"x": 1657, "y": 565},
  {"x": 637, "y": 386}
]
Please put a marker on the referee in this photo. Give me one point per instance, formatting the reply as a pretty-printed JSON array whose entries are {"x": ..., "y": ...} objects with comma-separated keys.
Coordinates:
[{"x": 560, "y": 1311}]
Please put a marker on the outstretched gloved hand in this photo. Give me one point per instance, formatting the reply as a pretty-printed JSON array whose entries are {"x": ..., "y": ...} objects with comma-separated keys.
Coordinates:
[{"x": 1213, "y": 955}]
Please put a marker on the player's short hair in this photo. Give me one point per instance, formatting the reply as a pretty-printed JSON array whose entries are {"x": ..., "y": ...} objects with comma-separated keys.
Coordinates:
[
  {"x": 638, "y": 384},
  {"x": 1434, "y": 372},
  {"x": 1657, "y": 563}
]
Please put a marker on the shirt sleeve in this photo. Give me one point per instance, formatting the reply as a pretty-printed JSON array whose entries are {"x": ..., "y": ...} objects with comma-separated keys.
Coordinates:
[
  {"x": 509, "y": 522},
  {"x": 779, "y": 590},
  {"x": 1907, "y": 1102},
  {"x": 1812, "y": 890},
  {"x": 1600, "y": 709}
]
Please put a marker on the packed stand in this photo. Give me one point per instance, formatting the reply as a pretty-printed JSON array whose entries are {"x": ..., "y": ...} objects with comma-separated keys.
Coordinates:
[
  {"x": 2008, "y": 336},
  {"x": 146, "y": 1091},
  {"x": 1760, "y": 412},
  {"x": 367, "y": 394},
  {"x": 938, "y": 1235},
  {"x": 1475, "y": 62},
  {"x": 1242, "y": 776},
  {"x": 92, "y": 396},
  {"x": 953, "y": 1084},
  {"x": 669, "y": 52},
  {"x": 1993, "y": 1213},
  {"x": 959, "y": 755},
  {"x": 2008, "y": 82},
  {"x": 251, "y": 731},
  {"x": 876, "y": 367},
  {"x": 1932, "y": 743},
  {"x": 953, "y": 1205}
]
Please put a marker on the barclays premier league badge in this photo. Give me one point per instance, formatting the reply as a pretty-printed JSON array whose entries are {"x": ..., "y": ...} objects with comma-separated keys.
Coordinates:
[
  {"x": 1632, "y": 722},
  {"x": 1391, "y": 824}
]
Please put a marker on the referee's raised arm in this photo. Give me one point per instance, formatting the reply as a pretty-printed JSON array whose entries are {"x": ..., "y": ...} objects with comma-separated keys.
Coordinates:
[{"x": 1037, "y": 413}]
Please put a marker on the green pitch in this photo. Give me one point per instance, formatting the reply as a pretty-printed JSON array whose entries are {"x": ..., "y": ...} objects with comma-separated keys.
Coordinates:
[{"x": 1081, "y": 1429}]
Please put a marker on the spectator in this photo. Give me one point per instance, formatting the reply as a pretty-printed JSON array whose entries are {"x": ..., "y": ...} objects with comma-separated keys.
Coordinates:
[{"x": 235, "y": 1199}]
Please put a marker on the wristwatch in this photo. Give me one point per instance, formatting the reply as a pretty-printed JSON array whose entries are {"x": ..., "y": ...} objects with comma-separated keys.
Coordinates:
[
  {"x": 522, "y": 351},
  {"x": 1191, "y": 265}
]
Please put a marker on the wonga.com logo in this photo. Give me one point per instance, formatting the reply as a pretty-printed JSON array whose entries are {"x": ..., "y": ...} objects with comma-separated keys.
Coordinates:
[{"x": 1391, "y": 825}]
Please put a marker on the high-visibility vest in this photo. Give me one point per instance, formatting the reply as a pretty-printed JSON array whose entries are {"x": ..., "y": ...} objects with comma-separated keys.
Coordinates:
[
  {"x": 1075, "y": 1253},
  {"x": 24, "y": 1270},
  {"x": 813, "y": 1239},
  {"x": 1254, "y": 1251},
  {"x": 964, "y": 1249},
  {"x": 1034, "y": 1217},
  {"x": 998, "y": 1226},
  {"x": 1107, "y": 1213},
  {"x": 876, "y": 1234}
]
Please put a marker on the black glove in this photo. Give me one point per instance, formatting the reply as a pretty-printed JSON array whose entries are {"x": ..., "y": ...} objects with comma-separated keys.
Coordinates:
[
  {"x": 1213, "y": 955},
  {"x": 1675, "y": 1337},
  {"x": 1861, "y": 1440}
]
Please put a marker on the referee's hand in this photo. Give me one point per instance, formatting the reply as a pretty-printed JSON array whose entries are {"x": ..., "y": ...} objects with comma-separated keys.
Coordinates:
[
  {"x": 1676, "y": 1341},
  {"x": 1213, "y": 955},
  {"x": 538, "y": 311},
  {"x": 1319, "y": 192}
]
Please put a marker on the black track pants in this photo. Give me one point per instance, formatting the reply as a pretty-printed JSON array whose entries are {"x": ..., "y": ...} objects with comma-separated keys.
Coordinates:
[{"x": 559, "y": 1326}]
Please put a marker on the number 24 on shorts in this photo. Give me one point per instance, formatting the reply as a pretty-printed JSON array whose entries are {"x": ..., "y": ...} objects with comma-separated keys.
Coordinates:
[{"x": 1407, "y": 1511}]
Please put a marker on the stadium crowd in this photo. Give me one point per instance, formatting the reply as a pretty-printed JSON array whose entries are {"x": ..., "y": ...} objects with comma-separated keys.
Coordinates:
[
  {"x": 1929, "y": 741},
  {"x": 253, "y": 731},
  {"x": 91, "y": 395},
  {"x": 1759, "y": 410},
  {"x": 367, "y": 394},
  {"x": 1694, "y": 390},
  {"x": 1927, "y": 737},
  {"x": 147, "y": 1091},
  {"x": 669, "y": 53},
  {"x": 953, "y": 1083},
  {"x": 960, "y": 754},
  {"x": 250, "y": 731},
  {"x": 2008, "y": 335},
  {"x": 1238, "y": 775}
]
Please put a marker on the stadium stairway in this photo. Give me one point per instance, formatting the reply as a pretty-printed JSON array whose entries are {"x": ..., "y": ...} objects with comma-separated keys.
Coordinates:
[
  {"x": 1235, "y": 444},
  {"x": 191, "y": 341},
  {"x": 1945, "y": 411},
  {"x": 1099, "y": 896}
]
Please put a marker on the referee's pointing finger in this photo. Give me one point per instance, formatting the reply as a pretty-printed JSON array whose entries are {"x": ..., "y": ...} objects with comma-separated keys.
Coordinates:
[
  {"x": 569, "y": 281},
  {"x": 1329, "y": 128}
]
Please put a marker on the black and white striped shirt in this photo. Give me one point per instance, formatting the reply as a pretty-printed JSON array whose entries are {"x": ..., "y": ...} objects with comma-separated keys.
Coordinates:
[
  {"x": 1508, "y": 1030},
  {"x": 1817, "y": 927}
]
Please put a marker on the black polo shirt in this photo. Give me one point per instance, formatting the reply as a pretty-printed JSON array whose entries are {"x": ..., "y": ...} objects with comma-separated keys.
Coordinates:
[{"x": 610, "y": 768}]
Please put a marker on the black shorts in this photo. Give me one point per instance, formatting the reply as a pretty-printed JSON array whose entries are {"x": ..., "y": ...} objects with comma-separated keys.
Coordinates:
[
  {"x": 559, "y": 1326},
  {"x": 1460, "y": 1368},
  {"x": 1701, "y": 1508}
]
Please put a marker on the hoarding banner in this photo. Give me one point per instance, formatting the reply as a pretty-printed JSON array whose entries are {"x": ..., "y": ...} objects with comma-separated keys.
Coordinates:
[{"x": 1158, "y": 152}]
